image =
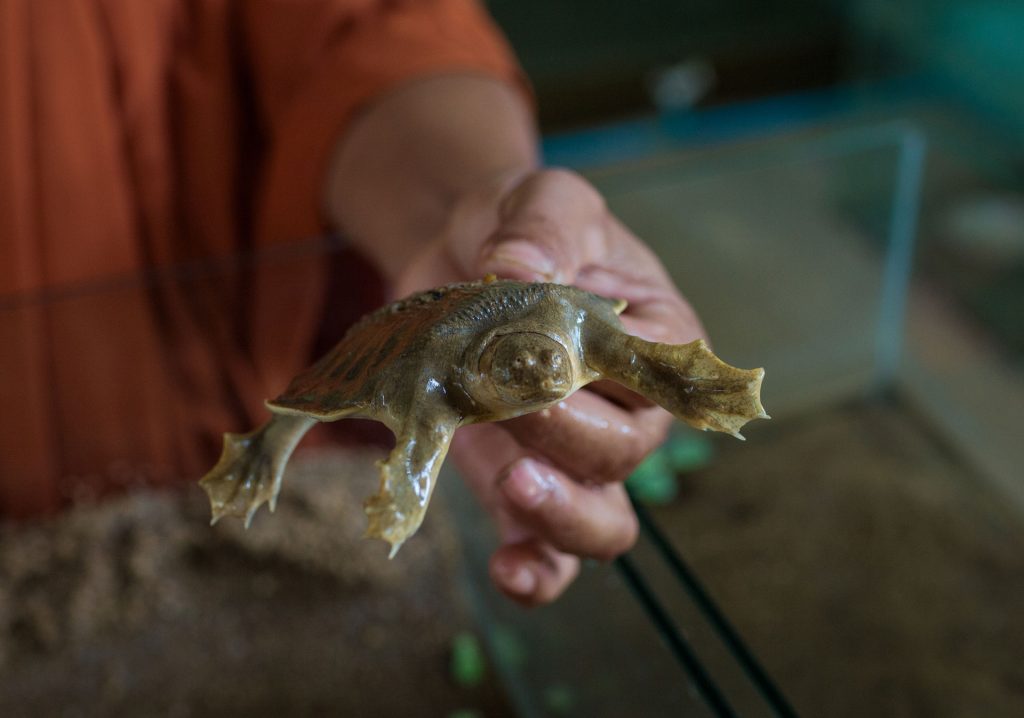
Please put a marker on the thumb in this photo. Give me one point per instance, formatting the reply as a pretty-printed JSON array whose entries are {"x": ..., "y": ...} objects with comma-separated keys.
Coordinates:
[
  {"x": 519, "y": 258},
  {"x": 549, "y": 227}
]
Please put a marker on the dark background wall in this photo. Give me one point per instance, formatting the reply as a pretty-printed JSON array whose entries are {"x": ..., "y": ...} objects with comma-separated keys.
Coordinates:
[{"x": 594, "y": 59}]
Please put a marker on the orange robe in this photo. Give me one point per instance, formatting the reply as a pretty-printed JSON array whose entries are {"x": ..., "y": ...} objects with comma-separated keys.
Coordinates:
[{"x": 161, "y": 166}]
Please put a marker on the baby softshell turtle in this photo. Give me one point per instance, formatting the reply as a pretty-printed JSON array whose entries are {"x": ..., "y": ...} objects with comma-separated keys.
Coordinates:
[{"x": 463, "y": 354}]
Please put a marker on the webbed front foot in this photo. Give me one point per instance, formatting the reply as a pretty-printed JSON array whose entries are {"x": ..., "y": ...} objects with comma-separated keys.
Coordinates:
[
  {"x": 408, "y": 476},
  {"x": 688, "y": 380},
  {"x": 393, "y": 518},
  {"x": 715, "y": 395},
  {"x": 251, "y": 467}
]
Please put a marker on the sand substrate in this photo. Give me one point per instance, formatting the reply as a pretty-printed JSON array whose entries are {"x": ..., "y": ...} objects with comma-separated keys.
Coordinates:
[
  {"x": 137, "y": 607},
  {"x": 871, "y": 573}
]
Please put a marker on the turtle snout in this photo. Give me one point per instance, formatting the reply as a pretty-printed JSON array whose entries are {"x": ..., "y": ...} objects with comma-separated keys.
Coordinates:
[
  {"x": 538, "y": 370},
  {"x": 550, "y": 372},
  {"x": 528, "y": 368}
]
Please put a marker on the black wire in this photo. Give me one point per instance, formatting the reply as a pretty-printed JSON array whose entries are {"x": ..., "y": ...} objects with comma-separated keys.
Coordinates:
[
  {"x": 726, "y": 632},
  {"x": 677, "y": 644}
]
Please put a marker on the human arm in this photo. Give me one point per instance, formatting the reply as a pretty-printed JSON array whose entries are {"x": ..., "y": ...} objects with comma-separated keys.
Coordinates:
[{"x": 415, "y": 156}]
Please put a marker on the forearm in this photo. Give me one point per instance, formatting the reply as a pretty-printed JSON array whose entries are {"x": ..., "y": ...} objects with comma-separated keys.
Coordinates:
[{"x": 401, "y": 165}]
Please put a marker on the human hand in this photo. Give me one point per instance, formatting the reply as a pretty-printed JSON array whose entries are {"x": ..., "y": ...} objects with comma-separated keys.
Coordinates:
[{"x": 552, "y": 480}]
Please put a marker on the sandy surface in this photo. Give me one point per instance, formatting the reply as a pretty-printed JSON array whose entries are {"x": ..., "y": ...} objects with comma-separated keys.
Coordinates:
[
  {"x": 870, "y": 573},
  {"x": 137, "y": 607}
]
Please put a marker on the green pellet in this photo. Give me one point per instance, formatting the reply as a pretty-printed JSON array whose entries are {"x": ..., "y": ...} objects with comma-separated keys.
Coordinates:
[
  {"x": 468, "y": 664},
  {"x": 653, "y": 481}
]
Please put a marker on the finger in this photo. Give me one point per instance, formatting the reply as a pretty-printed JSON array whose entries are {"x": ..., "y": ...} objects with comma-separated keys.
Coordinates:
[
  {"x": 482, "y": 452},
  {"x": 592, "y": 521},
  {"x": 549, "y": 227},
  {"x": 530, "y": 498},
  {"x": 589, "y": 437},
  {"x": 619, "y": 395},
  {"x": 656, "y": 310},
  {"x": 526, "y": 568},
  {"x": 531, "y": 572}
]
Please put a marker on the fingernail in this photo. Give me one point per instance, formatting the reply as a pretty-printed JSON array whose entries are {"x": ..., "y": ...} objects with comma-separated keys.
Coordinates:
[
  {"x": 517, "y": 257},
  {"x": 516, "y": 578},
  {"x": 526, "y": 486}
]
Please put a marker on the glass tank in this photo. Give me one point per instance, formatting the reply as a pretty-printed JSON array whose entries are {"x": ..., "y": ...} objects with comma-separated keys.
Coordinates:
[{"x": 859, "y": 544}]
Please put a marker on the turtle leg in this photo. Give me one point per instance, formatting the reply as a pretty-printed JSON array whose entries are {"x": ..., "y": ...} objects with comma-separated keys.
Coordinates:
[
  {"x": 408, "y": 476},
  {"x": 251, "y": 467},
  {"x": 687, "y": 379}
]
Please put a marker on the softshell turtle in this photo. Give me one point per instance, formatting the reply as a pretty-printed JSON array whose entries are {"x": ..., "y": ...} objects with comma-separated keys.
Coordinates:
[{"x": 462, "y": 354}]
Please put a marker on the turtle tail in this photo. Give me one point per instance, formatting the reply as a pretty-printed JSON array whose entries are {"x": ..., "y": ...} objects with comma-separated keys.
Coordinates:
[{"x": 251, "y": 467}]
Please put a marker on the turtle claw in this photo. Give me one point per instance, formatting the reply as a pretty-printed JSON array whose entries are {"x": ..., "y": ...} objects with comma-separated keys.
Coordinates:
[{"x": 249, "y": 514}]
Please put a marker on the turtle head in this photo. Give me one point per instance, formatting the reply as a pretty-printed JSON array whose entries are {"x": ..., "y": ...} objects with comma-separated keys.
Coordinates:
[{"x": 525, "y": 369}]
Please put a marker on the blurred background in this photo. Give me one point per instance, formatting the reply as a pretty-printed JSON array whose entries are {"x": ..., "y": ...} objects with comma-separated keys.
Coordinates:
[{"x": 838, "y": 187}]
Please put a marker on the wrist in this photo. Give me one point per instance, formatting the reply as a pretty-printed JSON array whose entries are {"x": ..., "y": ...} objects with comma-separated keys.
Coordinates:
[{"x": 418, "y": 155}]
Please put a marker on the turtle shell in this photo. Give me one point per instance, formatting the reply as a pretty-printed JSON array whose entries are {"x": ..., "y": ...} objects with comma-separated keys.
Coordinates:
[{"x": 389, "y": 344}]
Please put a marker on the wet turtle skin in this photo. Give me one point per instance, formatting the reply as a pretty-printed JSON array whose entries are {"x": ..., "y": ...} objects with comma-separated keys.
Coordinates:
[{"x": 463, "y": 354}]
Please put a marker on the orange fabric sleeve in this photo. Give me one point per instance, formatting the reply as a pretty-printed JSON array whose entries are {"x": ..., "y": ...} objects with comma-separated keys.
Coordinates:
[{"x": 313, "y": 72}]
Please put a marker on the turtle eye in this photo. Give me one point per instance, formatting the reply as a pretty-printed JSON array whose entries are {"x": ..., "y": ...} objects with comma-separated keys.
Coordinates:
[{"x": 527, "y": 368}]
